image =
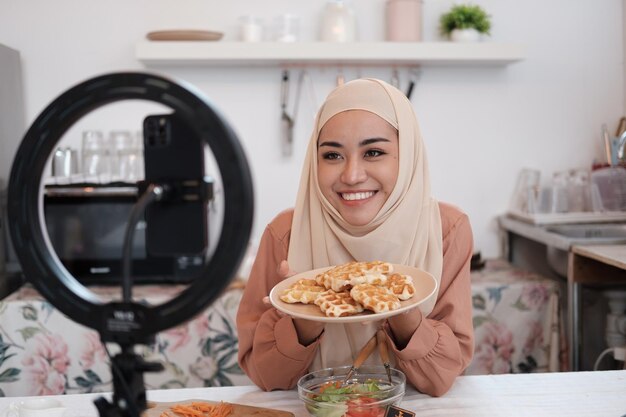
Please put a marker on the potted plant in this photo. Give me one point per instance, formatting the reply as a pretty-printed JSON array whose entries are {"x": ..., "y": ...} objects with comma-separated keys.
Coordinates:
[{"x": 465, "y": 23}]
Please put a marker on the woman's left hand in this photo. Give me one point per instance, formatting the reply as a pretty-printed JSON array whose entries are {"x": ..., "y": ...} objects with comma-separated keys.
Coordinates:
[{"x": 403, "y": 326}]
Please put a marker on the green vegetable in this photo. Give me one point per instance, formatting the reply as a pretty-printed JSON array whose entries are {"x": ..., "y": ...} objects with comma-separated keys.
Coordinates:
[
  {"x": 327, "y": 410},
  {"x": 342, "y": 394}
]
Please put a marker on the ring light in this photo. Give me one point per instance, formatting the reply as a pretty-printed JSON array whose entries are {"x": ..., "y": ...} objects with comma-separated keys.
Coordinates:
[{"x": 25, "y": 206}]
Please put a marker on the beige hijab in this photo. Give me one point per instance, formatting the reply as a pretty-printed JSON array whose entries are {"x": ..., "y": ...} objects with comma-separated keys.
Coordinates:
[{"x": 407, "y": 230}]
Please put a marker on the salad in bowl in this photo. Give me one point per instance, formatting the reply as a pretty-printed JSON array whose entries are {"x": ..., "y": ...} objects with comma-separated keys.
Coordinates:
[{"x": 367, "y": 393}]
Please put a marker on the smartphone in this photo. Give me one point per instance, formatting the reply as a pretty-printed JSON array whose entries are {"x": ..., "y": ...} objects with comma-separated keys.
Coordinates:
[{"x": 174, "y": 154}]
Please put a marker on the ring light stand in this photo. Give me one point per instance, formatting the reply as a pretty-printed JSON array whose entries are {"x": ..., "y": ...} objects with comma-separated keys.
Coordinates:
[{"x": 126, "y": 323}]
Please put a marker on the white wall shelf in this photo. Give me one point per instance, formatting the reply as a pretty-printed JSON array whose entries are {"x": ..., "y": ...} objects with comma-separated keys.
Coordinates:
[{"x": 323, "y": 53}]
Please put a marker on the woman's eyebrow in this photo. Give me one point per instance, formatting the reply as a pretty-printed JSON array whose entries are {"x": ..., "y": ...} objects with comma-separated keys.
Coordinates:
[
  {"x": 364, "y": 142},
  {"x": 329, "y": 143}
]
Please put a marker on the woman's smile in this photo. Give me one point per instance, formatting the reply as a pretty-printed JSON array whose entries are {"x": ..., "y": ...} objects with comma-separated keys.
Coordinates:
[{"x": 357, "y": 197}]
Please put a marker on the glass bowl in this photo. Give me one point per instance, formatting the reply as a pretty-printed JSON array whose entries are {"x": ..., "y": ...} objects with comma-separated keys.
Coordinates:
[{"x": 366, "y": 394}]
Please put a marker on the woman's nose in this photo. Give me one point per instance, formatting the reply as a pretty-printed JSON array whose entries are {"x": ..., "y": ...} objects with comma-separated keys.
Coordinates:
[{"x": 353, "y": 172}]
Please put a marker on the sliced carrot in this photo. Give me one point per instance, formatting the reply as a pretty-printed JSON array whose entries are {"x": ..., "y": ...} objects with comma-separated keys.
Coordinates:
[{"x": 200, "y": 409}]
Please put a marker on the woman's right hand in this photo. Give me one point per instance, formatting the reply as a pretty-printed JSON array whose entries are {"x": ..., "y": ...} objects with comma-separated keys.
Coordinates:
[
  {"x": 307, "y": 330},
  {"x": 284, "y": 271}
]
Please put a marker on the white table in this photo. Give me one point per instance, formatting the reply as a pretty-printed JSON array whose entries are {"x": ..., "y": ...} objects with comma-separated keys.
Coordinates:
[{"x": 584, "y": 394}]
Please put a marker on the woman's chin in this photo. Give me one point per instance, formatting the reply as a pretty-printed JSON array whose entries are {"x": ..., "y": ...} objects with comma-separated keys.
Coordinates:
[{"x": 358, "y": 220}]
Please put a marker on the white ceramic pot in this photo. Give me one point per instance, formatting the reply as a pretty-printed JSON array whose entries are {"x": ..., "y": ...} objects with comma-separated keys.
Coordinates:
[{"x": 465, "y": 35}]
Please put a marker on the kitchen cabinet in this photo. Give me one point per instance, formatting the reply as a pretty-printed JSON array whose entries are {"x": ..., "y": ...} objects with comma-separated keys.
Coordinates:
[
  {"x": 590, "y": 265},
  {"x": 408, "y": 54},
  {"x": 592, "y": 262}
]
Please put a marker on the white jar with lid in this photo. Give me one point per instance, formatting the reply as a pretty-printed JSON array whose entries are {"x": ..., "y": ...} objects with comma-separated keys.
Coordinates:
[
  {"x": 338, "y": 22},
  {"x": 250, "y": 29}
]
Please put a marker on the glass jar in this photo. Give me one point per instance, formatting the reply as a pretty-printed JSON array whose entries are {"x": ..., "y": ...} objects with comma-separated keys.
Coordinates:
[{"x": 338, "y": 22}]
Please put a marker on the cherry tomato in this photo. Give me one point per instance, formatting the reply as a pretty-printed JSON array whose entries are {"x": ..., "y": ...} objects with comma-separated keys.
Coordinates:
[{"x": 363, "y": 407}]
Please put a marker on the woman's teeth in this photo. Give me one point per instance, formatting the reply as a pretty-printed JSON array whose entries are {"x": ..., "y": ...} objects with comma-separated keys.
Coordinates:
[{"x": 357, "y": 196}]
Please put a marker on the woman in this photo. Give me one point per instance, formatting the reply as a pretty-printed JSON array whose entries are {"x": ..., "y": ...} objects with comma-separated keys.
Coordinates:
[{"x": 364, "y": 195}]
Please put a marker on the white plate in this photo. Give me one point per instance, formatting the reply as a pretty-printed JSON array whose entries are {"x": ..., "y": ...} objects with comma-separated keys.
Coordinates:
[{"x": 425, "y": 287}]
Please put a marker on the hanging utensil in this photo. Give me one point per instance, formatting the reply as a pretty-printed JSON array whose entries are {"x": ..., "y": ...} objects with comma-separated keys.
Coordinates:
[
  {"x": 340, "y": 79},
  {"x": 395, "y": 78},
  {"x": 621, "y": 127},
  {"x": 414, "y": 75},
  {"x": 365, "y": 352},
  {"x": 606, "y": 138},
  {"x": 618, "y": 148},
  {"x": 287, "y": 122},
  {"x": 383, "y": 351}
]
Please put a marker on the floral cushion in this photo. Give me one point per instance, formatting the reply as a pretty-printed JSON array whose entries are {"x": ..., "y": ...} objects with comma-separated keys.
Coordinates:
[
  {"x": 42, "y": 352},
  {"x": 516, "y": 321}
]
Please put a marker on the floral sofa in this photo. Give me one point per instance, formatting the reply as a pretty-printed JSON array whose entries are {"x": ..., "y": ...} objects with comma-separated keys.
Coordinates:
[{"x": 42, "y": 352}]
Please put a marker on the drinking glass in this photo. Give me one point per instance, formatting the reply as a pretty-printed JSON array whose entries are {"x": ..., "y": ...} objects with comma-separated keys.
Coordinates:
[
  {"x": 526, "y": 191},
  {"x": 286, "y": 28},
  {"x": 96, "y": 164},
  {"x": 122, "y": 155}
]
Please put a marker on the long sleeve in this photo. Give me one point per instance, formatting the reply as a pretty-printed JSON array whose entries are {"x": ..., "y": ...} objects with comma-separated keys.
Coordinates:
[
  {"x": 269, "y": 351},
  {"x": 443, "y": 344}
]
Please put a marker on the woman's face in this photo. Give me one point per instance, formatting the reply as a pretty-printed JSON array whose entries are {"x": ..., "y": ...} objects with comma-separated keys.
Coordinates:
[{"x": 357, "y": 154}]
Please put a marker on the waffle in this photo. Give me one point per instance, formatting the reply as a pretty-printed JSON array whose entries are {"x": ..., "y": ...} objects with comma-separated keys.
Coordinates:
[
  {"x": 375, "y": 298},
  {"x": 337, "y": 304},
  {"x": 304, "y": 291},
  {"x": 401, "y": 286},
  {"x": 344, "y": 277}
]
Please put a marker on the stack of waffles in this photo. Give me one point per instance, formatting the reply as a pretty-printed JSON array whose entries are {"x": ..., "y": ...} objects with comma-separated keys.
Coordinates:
[{"x": 352, "y": 288}]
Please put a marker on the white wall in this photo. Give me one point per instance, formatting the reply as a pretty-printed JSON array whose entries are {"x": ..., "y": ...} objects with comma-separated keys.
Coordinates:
[{"x": 481, "y": 125}]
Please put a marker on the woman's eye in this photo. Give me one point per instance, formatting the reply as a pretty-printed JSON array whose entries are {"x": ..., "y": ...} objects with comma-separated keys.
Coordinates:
[
  {"x": 331, "y": 156},
  {"x": 372, "y": 153}
]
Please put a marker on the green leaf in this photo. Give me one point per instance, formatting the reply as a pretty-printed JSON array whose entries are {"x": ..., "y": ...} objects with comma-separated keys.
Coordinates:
[
  {"x": 224, "y": 360},
  {"x": 233, "y": 370},
  {"x": 3, "y": 358},
  {"x": 173, "y": 383},
  {"x": 92, "y": 376},
  {"x": 227, "y": 325},
  {"x": 83, "y": 382},
  {"x": 223, "y": 380},
  {"x": 479, "y": 320},
  {"x": 465, "y": 16},
  {"x": 519, "y": 304},
  {"x": 28, "y": 332},
  {"x": 206, "y": 349},
  {"x": 10, "y": 375}
]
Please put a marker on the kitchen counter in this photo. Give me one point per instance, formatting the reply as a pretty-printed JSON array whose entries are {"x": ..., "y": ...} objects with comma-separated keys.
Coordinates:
[
  {"x": 535, "y": 232},
  {"x": 612, "y": 255},
  {"x": 570, "y": 394}
]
